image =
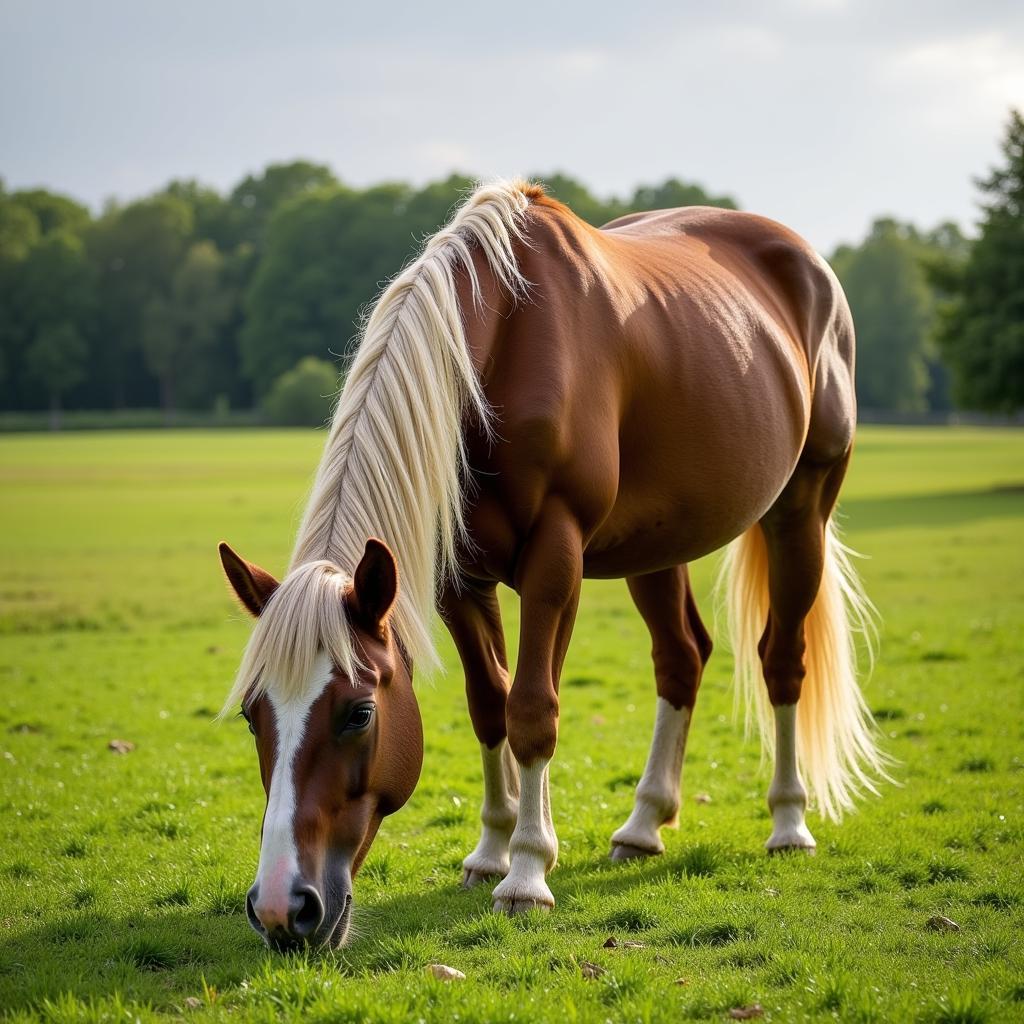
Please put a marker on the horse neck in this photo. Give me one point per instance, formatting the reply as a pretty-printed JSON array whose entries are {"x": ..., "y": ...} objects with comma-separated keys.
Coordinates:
[{"x": 484, "y": 319}]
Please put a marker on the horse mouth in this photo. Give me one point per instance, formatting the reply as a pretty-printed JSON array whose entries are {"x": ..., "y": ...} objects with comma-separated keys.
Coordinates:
[
  {"x": 339, "y": 933},
  {"x": 327, "y": 936}
]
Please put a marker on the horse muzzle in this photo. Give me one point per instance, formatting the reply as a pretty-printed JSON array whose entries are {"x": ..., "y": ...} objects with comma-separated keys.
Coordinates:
[{"x": 306, "y": 919}]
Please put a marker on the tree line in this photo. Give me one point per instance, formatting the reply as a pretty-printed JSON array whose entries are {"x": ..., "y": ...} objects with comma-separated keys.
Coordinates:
[{"x": 193, "y": 300}]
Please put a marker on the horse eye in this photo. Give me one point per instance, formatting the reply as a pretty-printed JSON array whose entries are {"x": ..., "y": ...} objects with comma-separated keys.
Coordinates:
[{"x": 360, "y": 718}]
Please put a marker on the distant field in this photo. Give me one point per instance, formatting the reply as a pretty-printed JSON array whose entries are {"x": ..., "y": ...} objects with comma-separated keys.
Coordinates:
[{"x": 122, "y": 877}]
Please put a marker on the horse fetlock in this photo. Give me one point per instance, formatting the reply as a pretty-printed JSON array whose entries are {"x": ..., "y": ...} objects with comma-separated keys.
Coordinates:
[
  {"x": 535, "y": 841},
  {"x": 641, "y": 832},
  {"x": 660, "y": 799},
  {"x": 501, "y": 817},
  {"x": 490, "y": 858},
  {"x": 789, "y": 793}
]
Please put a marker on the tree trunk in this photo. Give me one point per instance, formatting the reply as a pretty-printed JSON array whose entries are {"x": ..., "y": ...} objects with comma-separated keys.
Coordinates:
[{"x": 55, "y": 411}]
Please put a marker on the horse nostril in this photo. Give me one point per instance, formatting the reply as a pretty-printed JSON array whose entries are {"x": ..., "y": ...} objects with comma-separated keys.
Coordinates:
[
  {"x": 308, "y": 912},
  {"x": 250, "y": 912}
]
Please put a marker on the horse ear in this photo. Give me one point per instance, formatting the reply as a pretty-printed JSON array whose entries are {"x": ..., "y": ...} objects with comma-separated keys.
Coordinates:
[
  {"x": 374, "y": 586},
  {"x": 252, "y": 585}
]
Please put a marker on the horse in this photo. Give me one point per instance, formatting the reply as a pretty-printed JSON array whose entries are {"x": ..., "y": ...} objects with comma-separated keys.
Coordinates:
[{"x": 535, "y": 401}]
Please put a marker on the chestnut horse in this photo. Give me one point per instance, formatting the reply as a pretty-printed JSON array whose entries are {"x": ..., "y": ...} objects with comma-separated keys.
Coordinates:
[{"x": 535, "y": 401}]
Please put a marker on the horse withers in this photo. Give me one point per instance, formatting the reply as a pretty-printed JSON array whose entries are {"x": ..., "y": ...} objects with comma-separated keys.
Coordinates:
[{"x": 535, "y": 401}]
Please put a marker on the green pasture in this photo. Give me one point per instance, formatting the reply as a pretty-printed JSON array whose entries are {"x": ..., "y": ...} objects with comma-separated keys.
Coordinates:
[{"x": 122, "y": 876}]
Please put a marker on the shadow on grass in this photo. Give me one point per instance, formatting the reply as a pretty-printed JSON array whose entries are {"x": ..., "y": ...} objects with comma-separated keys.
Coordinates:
[
  {"x": 448, "y": 906},
  {"x": 162, "y": 957},
  {"x": 159, "y": 957},
  {"x": 948, "y": 509}
]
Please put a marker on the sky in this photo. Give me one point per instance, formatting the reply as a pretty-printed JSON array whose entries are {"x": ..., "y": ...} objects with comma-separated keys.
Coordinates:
[{"x": 823, "y": 114}]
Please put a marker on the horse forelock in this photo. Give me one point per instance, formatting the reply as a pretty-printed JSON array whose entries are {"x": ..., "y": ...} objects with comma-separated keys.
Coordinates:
[
  {"x": 304, "y": 620},
  {"x": 394, "y": 464}
]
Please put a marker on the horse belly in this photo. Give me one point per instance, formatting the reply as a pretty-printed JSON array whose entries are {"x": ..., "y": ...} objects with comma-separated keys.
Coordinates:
[{"x": 702, "y": 458}]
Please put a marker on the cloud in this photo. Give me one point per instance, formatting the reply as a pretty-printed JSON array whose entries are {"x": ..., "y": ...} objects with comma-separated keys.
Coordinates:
[{"x": 960, "y": 86}]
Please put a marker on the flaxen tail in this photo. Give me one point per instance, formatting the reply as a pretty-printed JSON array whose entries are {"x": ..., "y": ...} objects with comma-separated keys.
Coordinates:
[{"x": 835, "y": 732}]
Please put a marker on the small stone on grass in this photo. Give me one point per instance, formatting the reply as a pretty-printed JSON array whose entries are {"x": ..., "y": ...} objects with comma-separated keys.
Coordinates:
[
  {"x": 445, "y": 973},
  {"x": 938, "y": 923},
  {"x": 192, "y": 1003},
  {"x": 591, "y": 971},
  {"x": 702, "y": 798},
  {"x": 121, "y": 746},
  {"x": 746, "y": 1012}
]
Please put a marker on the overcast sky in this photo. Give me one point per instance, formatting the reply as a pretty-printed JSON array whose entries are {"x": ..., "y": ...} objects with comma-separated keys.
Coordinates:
[{"x": 821, "y": 113}]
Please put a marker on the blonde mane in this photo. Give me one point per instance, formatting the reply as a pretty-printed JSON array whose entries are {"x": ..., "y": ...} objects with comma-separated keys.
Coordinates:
[{"x": 394, "y": 465}]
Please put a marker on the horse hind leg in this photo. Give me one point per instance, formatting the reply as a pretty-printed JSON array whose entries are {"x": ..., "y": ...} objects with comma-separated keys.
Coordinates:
[
  {"x": 680, "y": 649},
  {"x": 791, "y": 573}
]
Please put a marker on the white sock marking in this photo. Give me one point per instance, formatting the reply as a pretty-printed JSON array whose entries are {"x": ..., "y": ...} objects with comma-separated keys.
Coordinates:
[
  {"x": 498, "y": 815},
  {"x": 533, "y": 846},
  {"x": 657, "y": 793},
  {"x": 787, "y": 797}
]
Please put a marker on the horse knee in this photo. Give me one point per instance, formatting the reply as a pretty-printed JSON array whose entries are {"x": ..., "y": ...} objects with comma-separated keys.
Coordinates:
[
  {"x": 532, "y": 723},
  {"x": 486, "y": 699}
]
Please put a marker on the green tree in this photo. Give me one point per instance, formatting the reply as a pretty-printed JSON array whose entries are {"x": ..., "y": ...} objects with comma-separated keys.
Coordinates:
[
  {"x": 672, "y": 193},
  {"x": 53, "y": 212},
  {"x": 56, "y": 360},
  {"x": 981, "y": 330},
  {"x": 327, "y": 254},
  {"x": 179, "y": 328},
  {"x": 56, "y": 309},
  {"x": 892, "y": 309},
  {"x": 19, "y": 230},
  {"x": 942, "y": 253},
  {"x": 136, "y": 251},
  {"x": 19, "y": 233},
  {"x": 256, "y": 198},
  {"x": 213, "y": 217},
  {"x": 302, "y": 396},
  {"x": 45, "y": 281}
]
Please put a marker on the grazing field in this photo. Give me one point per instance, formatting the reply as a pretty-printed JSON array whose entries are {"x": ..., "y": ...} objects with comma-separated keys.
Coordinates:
[{"x": 122, "y": 876}]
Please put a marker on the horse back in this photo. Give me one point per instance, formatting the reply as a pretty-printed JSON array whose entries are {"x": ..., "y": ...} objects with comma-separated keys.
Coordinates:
[{"x": 664, "y": 378}]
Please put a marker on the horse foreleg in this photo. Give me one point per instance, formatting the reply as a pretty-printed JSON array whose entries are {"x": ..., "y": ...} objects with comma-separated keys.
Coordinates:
[
  {"x": 473, "y": 618},
  {"x": 680, "y": 649},
  {"x": 548, "y": 580}
]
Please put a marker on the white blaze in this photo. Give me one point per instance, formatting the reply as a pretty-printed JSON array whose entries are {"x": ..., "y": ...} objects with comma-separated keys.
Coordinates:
[{"x": 279, "y": 859}]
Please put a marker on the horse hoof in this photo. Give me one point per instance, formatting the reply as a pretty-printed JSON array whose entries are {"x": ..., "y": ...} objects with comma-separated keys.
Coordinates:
[
  {"x": 472, "y": 877},
  {"x": 774, "y": 847},
  {"x": 519, "y": 906},
  {"x": 624, "y": 851}
]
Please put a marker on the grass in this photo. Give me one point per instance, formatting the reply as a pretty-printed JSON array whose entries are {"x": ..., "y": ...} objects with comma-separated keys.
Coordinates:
[{"x": 122, "y": 876}]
